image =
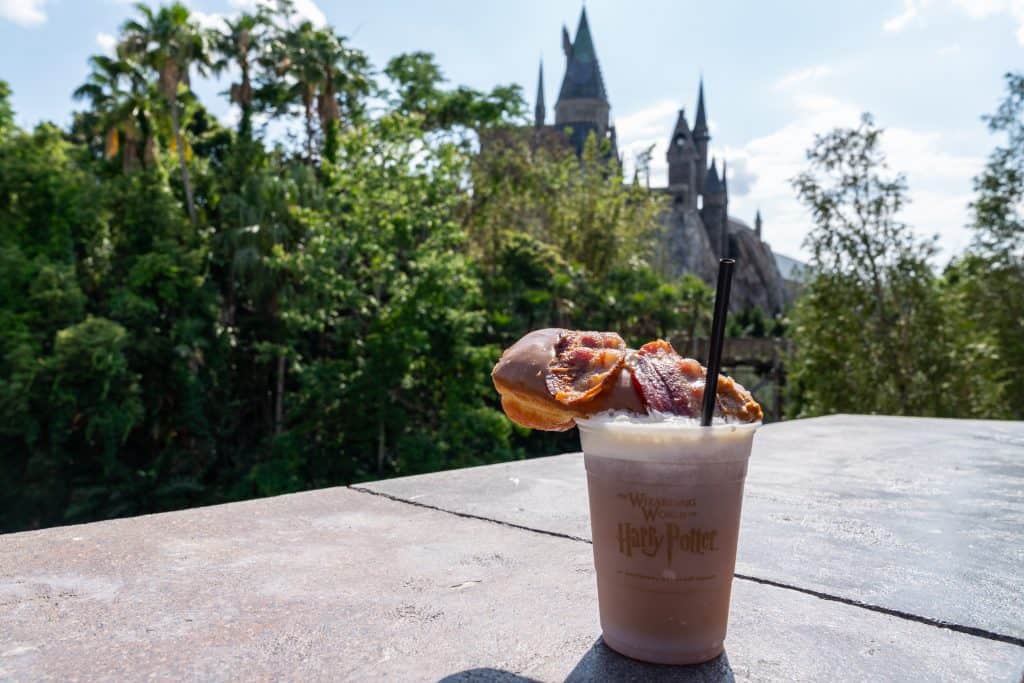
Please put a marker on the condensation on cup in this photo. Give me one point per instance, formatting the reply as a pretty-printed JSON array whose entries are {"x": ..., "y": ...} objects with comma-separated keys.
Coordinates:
[{"x": 665, "y": 500}]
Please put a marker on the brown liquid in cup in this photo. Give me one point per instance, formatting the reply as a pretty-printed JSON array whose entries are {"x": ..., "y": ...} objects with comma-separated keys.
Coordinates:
[{"x": 665, "y": 502}]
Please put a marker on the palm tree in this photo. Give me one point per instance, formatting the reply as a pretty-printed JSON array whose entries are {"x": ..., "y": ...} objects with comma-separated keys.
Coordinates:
[
  {"x": 119, "y": 97},
  {"x": 293, "y": 59},
  {"x": 345, "y": 73},
  {"x": 318, "y": 69},
  {"x": 240, "y": 44},
  {"x": 171, "y": 43}
]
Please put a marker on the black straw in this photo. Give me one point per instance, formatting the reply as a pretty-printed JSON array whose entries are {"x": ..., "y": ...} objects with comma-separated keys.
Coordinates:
[{"x": 717, "y": 338}]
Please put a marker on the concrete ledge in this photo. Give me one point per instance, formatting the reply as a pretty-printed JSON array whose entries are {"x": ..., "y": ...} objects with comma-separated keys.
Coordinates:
[{"x": 341, "y": 584}]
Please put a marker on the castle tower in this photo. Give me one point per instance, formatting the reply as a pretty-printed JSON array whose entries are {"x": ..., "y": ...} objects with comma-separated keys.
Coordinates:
[
  {"x": 701, "y": 138},
  {"x": 715, "y": 212},
  {"x": 757, "y": 224},
  {"x": 539, "y": 110},
  {"x": 582, "y": 100},
  {"x": 682, "y": 163}
]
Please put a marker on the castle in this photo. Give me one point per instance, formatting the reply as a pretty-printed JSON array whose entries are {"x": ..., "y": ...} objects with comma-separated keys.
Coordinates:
[{"x": 698, "y": 227}]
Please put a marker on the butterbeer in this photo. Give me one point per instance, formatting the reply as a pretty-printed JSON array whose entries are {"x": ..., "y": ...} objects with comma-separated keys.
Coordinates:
[{"x": 665, "y": 499}]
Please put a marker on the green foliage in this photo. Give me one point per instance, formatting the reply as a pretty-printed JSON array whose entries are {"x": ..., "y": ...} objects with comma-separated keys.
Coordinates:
[
  {"x": 868, "y": 331},
  {"x": 876, "y": 330},
  {"x": 233, "y": 318},
  {"x": 417, "y": 79},
  {"x": 6, "y": 111},
  {"x": 236, "y": 318},
  {"x": 579, "y": 207},
  {"x": 985, "y": 314},
  {"x": 755, "y": 323}
]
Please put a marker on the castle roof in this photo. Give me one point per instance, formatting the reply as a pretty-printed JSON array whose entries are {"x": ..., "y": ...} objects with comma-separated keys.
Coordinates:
[
  {"x": 681, "y": 136},
  {"x": 700, "y": 125},
  {"x": 712, "y": 184},
  {"x": 582, "y": 73}
]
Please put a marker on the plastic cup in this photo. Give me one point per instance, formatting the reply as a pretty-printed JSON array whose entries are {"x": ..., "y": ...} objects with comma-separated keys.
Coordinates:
[{"x": 665, "y": 501}]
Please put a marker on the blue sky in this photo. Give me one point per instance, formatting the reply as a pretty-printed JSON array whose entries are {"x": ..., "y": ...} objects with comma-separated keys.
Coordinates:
[{"x": 774, "y": 73}]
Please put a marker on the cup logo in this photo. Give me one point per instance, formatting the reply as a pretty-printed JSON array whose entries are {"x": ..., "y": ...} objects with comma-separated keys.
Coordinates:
[{"x": 664, "y": 531}]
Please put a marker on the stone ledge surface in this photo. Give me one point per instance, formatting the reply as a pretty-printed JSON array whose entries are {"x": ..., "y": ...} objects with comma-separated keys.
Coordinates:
[
  {"x": 919, "y": 515},
  {"x": 344, "y": 585}
]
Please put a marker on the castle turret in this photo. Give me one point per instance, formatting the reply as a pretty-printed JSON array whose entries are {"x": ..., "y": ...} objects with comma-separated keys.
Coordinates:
[
  {"x": 582, "y": 100},
  {"x": 715, "y": 212},
  {"x": 701, "y": 136},
  {"x": 757, "y": 224},
  {"x": 682, "y": 163},
  {"x": 539, "y": 110}
]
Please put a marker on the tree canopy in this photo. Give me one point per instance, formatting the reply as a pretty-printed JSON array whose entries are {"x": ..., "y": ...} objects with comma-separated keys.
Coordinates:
[
  {"x": 194, "y": 314},
  {"x": 314, "y": 294}
]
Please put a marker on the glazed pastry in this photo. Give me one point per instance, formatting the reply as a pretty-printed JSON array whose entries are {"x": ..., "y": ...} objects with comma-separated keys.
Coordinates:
[{"x": 552, "y": 376}]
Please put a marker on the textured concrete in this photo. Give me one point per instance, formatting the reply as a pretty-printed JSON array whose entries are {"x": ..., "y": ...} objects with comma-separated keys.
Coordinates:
[
  {"x": 345, "y": 585},
  {"x": 922, "y": 516}
]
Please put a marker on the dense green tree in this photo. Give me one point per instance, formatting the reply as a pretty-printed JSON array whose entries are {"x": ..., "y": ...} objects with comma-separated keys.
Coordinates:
[
  {"x": 296, "y": 324},
  {"x": 868, "y": 331},
  {"x": 389, "y": 313},
  {"x": 987, "y": 319},
  {"x": 418, "y": 91},
  {"x": 6, "y": 111},
  {"x": 580, "y": 207}
]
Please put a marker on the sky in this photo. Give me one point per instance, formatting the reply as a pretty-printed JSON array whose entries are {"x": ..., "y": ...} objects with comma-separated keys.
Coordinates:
[{"x": 775, "y": 74}]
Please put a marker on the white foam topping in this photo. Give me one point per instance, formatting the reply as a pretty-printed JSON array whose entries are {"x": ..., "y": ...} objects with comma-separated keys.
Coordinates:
[{"x": 656, "y": 419}]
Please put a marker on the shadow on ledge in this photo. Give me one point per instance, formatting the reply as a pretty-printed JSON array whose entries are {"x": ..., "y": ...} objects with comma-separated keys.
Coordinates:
[
  {"x": 487, "y": 675},
  {"x": 601, "y": 663}
]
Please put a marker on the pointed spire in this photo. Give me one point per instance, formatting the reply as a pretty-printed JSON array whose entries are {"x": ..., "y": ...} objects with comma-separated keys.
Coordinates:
[
  {"x": 566, "y": 43},
  {"x": 584, "y": 44},
  {"x": 712, "y": 185},
  {"x": 757, "y": 223},
  {"x": 681, "y": 136},
  {"x": 700, "y": 125},
  {"x": 583, "y": 78},
  {"x": 540, "y": 111},
  {"x": 725, "y": 179}
]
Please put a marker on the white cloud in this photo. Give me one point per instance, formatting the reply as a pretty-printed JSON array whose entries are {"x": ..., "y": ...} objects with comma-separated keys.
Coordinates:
[
  {"x": 974, "y": 9},
  {"x": 761, "y": 168},
  {"x": 648, "y": 122},
  {"x": 983, "y": 9},
  {"x": 948, "y": 50},
  {"x": 939, "y": 182},
  {"x": 23, "y": 12},
  {"x": 911, "y": 10},
  {"x": 741, "y": 177},
  {"x": 212, "y": 20},
  {"x": 107, "y": 43},
  {"x": 811, "y": 73},
  {"x": 641, "y": 129},
  {"x": 304, "y": 9},
  {"x": 307, "y": 9}
]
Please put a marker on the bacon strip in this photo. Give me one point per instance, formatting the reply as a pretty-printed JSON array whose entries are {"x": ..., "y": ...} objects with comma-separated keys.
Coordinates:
[
  {"x": 669, "y": 383},
  {"x": 585, "y": 363}
]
